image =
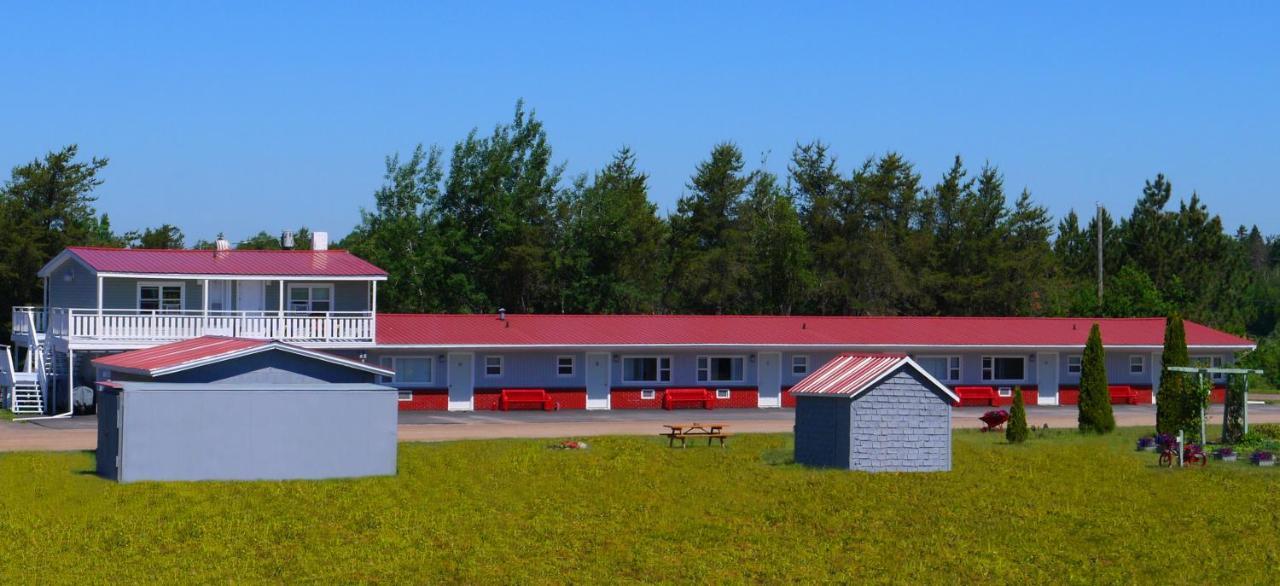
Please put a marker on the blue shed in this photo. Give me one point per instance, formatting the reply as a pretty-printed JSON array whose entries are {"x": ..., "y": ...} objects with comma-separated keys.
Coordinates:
[
  {"x": 873, "y": 412},
  {"x": 231, "y": 409}
]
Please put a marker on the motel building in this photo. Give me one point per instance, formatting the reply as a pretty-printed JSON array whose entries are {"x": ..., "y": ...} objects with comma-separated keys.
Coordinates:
[{"x": 101, "y": 301}]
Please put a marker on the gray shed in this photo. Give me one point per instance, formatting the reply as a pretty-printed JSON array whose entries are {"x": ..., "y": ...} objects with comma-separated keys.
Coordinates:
[
  {"x": 229, "y": 409},
  {"x": 873, "y": 412}
]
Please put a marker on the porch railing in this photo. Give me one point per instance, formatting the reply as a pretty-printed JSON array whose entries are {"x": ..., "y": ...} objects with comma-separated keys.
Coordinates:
[
  {"x": 19, "y": 321},
  {"x": 146, "y": 325}
]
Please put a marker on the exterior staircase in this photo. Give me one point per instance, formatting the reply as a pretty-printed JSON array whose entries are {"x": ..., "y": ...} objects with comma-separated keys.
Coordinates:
[{"x": 24, "y": 391}]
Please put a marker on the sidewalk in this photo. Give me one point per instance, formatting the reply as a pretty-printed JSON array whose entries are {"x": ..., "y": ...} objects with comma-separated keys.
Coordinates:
[{"x": 80, "y": 433}]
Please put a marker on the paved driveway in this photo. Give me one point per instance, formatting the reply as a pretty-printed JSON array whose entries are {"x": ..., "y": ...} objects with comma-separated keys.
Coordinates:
[{"x": 80, "y": 433}]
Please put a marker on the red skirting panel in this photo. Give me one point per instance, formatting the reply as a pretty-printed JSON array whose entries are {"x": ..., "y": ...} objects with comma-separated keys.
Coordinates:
[
  {"x": 426, "y": 400},
  {"x": 787, "y": 399}
]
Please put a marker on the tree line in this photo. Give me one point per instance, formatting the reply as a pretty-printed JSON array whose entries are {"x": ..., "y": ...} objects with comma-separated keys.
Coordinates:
[{"x": 497, "y": 223}]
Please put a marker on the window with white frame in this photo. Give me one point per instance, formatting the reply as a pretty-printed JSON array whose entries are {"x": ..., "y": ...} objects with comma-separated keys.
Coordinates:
[
  {"x": 1004, "y": 368},
  {"x": 1137, "y": 364},
  {"x": 409, "y": 370},
  {"x": 721, "y": 369},
  {"x": 493, "y": 366},
  {"x": 800, "y": 364},
  {"x": 943, "y": 368},
  {"x": 646, "y": 369},
  {"x": 1209, "y": 362},
  {"x": 161, "y": 296},
  {"x": 723, "y": 393},
  {"x": 564, "y": 365},
  {"x": 310, "y": 297},
  {"x": 1073, "y": 364}
]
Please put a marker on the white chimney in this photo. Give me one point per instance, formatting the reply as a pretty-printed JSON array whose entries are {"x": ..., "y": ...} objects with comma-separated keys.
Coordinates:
[
  {"x": 221, "y": 244},
  {"x": 319, "y": 241}
]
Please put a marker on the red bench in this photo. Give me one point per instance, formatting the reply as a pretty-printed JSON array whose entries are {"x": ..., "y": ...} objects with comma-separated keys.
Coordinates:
[
  {"x": 539, "y": 398},
  {"x": 1123, "y": 395},
  {"x": 673, "y": 396},
  {"x": 977, "y": 396}
]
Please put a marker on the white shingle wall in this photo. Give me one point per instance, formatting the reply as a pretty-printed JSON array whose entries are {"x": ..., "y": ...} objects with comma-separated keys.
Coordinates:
[{"x": 900, "y": 425}]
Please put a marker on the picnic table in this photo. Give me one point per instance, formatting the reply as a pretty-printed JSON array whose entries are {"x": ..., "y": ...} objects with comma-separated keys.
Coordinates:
[{"x": 684, "y": 431}]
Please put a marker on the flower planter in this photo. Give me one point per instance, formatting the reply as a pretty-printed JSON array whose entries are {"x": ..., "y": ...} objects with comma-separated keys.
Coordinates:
[
  {"x": 1266, "y": 462},
  {"x": 1226, "y": 457}
]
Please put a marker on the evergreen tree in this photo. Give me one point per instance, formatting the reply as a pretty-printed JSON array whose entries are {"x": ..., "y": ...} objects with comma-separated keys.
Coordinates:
[
  {"x": 1016, "y": 431},
  {"x": 613, "y": 258},
  {"x": 1233, "y": 410},
  {"x": 166, "y": 236},
  {"x": 830, "y": 220},
  {"x": 781, "y": 276},
  {"x": 708, "y": 265},
  {"x": 1173, "y": 386},
  {"x": 1095, "y": 399}
]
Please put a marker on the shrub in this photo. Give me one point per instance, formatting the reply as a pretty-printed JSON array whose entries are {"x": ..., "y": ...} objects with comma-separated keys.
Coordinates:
[
  {"x": 1146, "y": 441},
  {"x": 1170, "y": 398},
  {"x": 1095, "y": 401},
  {"x": 1265, "y": 430},
  {"x": 1016, "y": 431},
  {"x": 1233, "y": 410}
]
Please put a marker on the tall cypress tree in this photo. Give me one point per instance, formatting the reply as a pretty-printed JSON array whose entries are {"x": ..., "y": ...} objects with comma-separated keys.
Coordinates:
[
  {"x": 1016, "y": 431},
  {"x": 1095, "y": 401},
  {"x": 1173, "y": 386}
]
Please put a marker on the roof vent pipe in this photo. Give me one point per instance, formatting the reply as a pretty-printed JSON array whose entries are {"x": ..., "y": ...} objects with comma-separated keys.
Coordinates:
[
  {"x": 221, "y": 244},
  {"x": 502, "y": 314},
  {"x": 286, "y": 240}
]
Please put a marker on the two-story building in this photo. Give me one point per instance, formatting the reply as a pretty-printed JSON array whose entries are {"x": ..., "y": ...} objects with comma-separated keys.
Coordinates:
[
  {"x": 105, "y": 300},
  {"x": 100, "y": 301}
]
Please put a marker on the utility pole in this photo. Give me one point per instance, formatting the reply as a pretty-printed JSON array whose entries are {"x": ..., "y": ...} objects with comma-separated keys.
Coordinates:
[{"x": 1098, "y": 221}]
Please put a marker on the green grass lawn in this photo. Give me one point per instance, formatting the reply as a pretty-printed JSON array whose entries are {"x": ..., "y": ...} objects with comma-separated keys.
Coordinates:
[
  {"x": 6, "y": 415},
  {"x": 1059, "y": 509}
]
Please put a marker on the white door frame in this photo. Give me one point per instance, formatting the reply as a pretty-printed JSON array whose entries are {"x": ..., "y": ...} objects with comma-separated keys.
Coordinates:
[
  {"x": 1048, "y": 380},
  {"x": 769, "y": 395},
  {"x": 607, "y": 402},
  {"x": 466, "y": 396}
]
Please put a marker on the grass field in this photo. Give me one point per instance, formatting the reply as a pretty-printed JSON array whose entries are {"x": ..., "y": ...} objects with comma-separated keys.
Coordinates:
[{"x": 1059, "y": 509}]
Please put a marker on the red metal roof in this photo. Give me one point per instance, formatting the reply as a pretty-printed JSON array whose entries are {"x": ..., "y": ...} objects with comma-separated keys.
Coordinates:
[
  {"x": 267, "y": 263},
  {"x": 876, "y": 332},
  {"x": 207, "y": 349},
  {"x": 848, "y": 375}
]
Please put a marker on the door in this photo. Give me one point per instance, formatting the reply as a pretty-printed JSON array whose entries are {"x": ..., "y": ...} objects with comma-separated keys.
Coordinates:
[
  {"x": 462, "y": 372},
  {"x": 1047, "y": 377},
  {"x": 598, "y": 380},
  {"x": 770, "y": 379},
  {"x": 251, "y": 301}
]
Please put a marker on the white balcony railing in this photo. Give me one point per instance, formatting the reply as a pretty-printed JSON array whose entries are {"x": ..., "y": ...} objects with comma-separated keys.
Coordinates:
[
  {"x": 20, "y": 323},
  {"x": 135, "y": 325}
]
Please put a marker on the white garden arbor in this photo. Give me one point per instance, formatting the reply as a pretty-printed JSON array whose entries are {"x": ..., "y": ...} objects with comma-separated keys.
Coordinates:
[{"x": 1200, "y": 372}]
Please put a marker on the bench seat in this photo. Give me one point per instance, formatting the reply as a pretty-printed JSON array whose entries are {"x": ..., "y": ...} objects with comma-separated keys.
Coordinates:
[
  {"x": 673, "y": 397},
  {"x": 537, "y": 398}
]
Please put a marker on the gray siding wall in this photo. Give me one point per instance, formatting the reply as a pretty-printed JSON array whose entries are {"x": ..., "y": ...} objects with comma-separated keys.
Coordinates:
[
  {"x": 531, "y": 369},
  {"x": 822, "y": 431},
  {"x": 274, "y": 367},
  {"x": 970, "y": 366},
  {"x": 80, "y": 291},
  {"x": 684, "y": 369},
  {"x": 177, "y": 434},
  {"x": 122, "y": 293}
]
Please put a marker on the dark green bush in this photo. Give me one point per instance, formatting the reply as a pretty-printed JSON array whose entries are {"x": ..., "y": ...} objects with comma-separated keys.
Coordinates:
[
  {"x": 1016, "y": 430},
  {"x": 1095, "y": 400}
]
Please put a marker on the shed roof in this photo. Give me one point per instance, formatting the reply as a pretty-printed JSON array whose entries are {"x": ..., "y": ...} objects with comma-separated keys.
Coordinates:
[
  {"x": 196, "y": 352},
  {"x": 850, "y": 375},
  {"x": 240, "y": 263},
  {"x": 874, "y": 333}
]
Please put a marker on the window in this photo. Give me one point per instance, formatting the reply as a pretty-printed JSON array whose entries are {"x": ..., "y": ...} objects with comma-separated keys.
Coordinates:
[
  {"x": 409, "y": 370},
  {"x": 717, "y": 369},
  {"x": 648, "y": 394},
  {"x": 404, "y": 396},
  {"x": 943, "y": 368},
  {"x": 799, "y": 365},
  {"x": 493, "y": 366},
  {"x": 160, "y": 296},
  {"x": 1209, "y": 362},
  {"x": 1137, "y": 364},
  {"x": 723, "y": 393},
  {"x": 564, "y": 366},
  {"x": 646, "y": 369},
  {"x": 310, "y": 298},
  {"x": 1004, "y": 368},
  {"x": 1073, "y": 365}
]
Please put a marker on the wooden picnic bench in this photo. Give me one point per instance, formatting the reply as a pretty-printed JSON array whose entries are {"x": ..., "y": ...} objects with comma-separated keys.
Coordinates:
[
  {"x": 539, "y": 398},
  {"x": 684, "y": 431}
]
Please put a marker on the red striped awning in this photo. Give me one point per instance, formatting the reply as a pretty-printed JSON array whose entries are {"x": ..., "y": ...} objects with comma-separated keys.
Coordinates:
[{"x": 850, "y": 374}]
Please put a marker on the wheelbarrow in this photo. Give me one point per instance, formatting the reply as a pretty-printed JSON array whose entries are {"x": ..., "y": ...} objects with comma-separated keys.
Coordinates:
[{"x": 994, "y": 419}]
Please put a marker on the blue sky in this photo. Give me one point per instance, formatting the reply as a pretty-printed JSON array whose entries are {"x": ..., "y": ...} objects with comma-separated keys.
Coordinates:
[{"x": 238, "y": 117}]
